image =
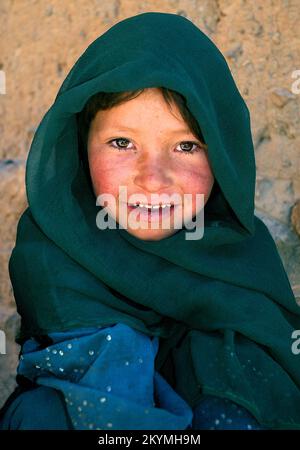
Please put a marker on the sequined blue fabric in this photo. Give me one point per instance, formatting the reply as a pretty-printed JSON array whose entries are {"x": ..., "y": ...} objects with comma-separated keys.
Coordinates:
[{"x": 105, "y": 379}]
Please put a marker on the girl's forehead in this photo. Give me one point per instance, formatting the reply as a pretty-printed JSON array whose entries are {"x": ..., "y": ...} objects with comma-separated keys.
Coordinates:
[{"x": 137, "y": 113}]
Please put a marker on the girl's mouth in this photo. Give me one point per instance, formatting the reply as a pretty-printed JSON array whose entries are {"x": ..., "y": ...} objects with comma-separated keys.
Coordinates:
[{"x": 152, "y": 213}]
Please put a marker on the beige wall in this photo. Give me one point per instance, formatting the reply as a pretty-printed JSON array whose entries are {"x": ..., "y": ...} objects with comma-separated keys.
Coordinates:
[{"x": 41, "y": 40}]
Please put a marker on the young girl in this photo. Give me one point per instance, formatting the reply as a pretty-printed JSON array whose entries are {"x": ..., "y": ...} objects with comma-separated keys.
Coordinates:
[{"x": 128, "y": 327}]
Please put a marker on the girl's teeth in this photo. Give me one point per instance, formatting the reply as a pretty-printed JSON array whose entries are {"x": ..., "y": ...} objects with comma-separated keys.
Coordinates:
[{"x": 153, "y": 206}]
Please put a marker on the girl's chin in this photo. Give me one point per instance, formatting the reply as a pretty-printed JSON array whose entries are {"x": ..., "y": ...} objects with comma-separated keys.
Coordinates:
[{"x": 150, "y": 235}]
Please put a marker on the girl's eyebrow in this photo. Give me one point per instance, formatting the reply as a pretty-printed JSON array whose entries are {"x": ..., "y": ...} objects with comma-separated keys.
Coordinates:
[{"x": 169, "y": 131}]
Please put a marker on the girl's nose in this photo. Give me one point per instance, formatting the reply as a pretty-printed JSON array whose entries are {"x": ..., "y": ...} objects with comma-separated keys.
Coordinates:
[{"x": 153, "y": 173}]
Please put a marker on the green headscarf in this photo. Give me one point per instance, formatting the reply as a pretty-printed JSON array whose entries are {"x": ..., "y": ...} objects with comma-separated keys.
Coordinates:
[{"x": 222, "y": 305}]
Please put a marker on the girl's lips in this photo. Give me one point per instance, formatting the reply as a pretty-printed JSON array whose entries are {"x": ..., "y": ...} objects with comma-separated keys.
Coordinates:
[{"x": 152, "y": 214}]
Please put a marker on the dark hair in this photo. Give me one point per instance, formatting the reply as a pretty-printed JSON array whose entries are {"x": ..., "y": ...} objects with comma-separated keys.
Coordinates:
[{"x": 106, "y": 100}]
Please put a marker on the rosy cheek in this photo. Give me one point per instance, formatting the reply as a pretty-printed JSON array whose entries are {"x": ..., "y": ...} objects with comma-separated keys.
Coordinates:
[
  {"x": 107, "y": 175},
  {"x": 199, "y": 182},
  {"x": 98, "y": 174},
  {"x": 204, "y": 173},
  {"x": 198, "y": 177}
]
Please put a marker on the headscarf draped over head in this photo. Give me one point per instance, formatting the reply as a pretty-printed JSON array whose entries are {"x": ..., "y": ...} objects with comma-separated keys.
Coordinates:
[{"x": 222, "y": 305}]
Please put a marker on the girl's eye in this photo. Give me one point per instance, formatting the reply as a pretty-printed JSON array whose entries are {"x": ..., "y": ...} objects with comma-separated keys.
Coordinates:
[
  {"x": 189, "y": 150},
  {"x": 121, "y": 144},
  {"x": 119, "y": 147}
]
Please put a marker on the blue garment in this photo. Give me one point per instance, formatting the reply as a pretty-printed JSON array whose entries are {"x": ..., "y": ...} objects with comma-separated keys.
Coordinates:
[
  {"x": 104, "y": 378},
  {"x": 40, "y": 408},
  {"x": 215, "y": 413}
]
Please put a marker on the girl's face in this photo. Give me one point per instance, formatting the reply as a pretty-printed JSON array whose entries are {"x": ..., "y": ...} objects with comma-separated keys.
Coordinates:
[{"x": 143, "y": 145}]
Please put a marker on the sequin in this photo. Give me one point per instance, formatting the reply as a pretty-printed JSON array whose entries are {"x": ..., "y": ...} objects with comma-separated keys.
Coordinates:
[
  {"x": 61, "y": 352},
  {"x": 108, "y": 388},
  {"x": 61, "y": 369},
  {"x": 54, "y": 352},
  {"x": 126, "y": 363},
  {"x": 109, "y": 424},
  {"x": 140, "y": 360},
  {"x": 79, "y": 408},
  {"x": 91, "y": 426},
  {"x": 38, "y": 367},
  {"x": 47, "y": 349},
  {"x": 217, "y": 421},
  {"x": 49, "y": 364},
  {"x": 249, "y": 427},
  {"x": 91, "y": 352},
  {"x": 69, "y": 346},
  {"x": 102, "y": 399},
  {"x": 47, "y": 358},
  {"x": 108, "y": 337},
  {"x": 84, "y": 402}
]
